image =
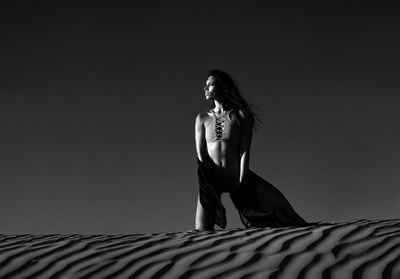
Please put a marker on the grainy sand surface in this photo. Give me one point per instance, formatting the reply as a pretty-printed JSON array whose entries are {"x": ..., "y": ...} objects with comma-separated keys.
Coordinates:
[{"x": 357, "y": 249}]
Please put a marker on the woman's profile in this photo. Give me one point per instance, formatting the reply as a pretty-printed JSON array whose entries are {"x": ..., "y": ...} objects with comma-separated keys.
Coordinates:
[{"x": 223, "y": 138}]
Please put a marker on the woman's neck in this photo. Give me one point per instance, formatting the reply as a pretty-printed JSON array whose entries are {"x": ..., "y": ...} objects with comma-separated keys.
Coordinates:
[{"x": 220, "y": 106}]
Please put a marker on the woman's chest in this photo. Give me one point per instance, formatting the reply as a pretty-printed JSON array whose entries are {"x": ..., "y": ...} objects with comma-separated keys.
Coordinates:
[{"x": 221, "y": 129}]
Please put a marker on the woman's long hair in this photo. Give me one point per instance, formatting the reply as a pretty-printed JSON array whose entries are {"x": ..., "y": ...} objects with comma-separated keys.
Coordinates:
[{"x": 232, "y": 95}]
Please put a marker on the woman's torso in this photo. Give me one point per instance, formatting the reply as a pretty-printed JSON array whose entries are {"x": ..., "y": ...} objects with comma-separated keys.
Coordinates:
[{"x": 222, "y": 133}]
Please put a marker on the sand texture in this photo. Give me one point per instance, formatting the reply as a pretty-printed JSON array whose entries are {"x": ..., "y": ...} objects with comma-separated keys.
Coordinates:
[{"x": 357, "y": 249}]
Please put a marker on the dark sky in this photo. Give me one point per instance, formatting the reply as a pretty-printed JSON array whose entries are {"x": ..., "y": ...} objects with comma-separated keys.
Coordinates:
[{"x": 98, "y": 105}]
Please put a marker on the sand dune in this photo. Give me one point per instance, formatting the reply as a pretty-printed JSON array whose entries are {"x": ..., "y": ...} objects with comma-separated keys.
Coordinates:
[{"x": 357, "y": 249}]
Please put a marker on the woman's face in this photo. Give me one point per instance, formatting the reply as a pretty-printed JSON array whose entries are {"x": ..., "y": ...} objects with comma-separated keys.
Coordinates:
[{"x": 210, "y": 90}]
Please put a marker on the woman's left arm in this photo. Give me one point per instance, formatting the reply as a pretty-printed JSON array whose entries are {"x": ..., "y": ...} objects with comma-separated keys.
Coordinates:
[{"x": 245, "y": 143}]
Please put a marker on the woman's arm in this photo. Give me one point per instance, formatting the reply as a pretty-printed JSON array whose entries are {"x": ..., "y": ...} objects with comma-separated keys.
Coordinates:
[
  {"x": 201, "y": 145},
  {"x": 245, "y": 143}
]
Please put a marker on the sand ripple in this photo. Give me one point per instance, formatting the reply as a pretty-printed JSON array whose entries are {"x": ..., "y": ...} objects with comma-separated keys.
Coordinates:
[{"x": 359, "y": 249}]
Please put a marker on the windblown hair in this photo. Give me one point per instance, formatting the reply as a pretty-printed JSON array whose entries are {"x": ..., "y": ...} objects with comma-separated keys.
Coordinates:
[{"x": 233, "y": 96}]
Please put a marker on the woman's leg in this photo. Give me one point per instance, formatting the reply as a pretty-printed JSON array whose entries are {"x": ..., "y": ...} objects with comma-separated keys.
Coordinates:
[{"x": 203, "y": 222}]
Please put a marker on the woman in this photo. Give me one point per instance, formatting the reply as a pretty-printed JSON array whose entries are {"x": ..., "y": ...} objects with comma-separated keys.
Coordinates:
[{"x": 223, "y": 139}]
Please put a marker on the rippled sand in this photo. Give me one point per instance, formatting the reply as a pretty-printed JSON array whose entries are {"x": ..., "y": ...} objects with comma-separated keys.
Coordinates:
[{"x": 357, "y": 249}]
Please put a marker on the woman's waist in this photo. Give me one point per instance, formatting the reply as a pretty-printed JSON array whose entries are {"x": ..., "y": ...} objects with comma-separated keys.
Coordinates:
[
  {"x": 226, "y": 156},
  {"x": 225, "y": 174},
  {"x": 225, "y": 164}
]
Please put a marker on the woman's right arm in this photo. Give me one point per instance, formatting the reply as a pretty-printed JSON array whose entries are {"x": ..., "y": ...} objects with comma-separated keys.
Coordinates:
[{"x": 201, "y": 145}]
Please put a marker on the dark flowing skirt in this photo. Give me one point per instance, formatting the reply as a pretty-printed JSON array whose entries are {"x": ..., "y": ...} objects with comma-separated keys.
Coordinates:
[{"x": 258, "y": 202}]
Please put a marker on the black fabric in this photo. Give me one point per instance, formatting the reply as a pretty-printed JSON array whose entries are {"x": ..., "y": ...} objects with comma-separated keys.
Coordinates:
[{"x": 258, "y": 202}]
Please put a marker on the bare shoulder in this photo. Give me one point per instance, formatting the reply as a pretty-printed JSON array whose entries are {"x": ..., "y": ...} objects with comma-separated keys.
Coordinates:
[
  {"x": 242, "y": 116},
  {"x": 244, "y": 120},
  {"x": 237, "y": 115},
  {"x": 202, "y": 116}
]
